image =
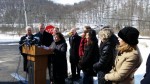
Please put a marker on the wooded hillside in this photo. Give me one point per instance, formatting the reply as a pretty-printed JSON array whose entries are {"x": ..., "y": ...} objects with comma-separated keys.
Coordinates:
[{"x": 116, "y": 13}]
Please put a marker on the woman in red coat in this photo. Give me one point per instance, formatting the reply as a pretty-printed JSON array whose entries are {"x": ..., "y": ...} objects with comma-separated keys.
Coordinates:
[
  {"x": 91, "y": 54},
  {"x": 83, "y": 41}
]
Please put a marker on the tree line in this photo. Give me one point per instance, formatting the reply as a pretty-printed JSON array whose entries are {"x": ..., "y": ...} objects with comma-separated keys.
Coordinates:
[{"x": 116, "y": 13}]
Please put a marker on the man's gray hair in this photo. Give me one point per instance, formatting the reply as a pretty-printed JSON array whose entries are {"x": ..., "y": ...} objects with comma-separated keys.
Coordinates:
[{"x": 28, "y": 27}]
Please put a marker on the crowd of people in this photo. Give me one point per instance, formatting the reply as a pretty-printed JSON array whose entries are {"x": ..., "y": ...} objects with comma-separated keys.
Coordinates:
[{"x": 113, "y": 61}]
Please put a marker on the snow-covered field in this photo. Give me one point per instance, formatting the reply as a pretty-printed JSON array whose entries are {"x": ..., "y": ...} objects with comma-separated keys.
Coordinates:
[
  {"x": 9, "y": 38},
  {"x": 144, "y": 46}
]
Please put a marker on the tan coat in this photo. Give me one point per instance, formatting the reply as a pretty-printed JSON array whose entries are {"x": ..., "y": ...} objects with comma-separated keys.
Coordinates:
[{"x": 125, "y": 67}]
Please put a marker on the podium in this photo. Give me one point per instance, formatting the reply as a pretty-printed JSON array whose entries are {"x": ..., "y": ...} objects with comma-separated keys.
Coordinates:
[{"x": 37, "y": 61}]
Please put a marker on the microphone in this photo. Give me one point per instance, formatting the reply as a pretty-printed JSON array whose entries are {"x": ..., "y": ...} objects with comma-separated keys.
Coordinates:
[
  {"x": 36, "y": 40},
  {"x": 28, "y": 40},
  {"x": 28, "y": 37},
  {"x": 23, "y": 42}
]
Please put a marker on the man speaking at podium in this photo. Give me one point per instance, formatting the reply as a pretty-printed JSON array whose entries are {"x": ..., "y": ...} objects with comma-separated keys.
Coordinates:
[
  {"x": 24, "y": 40},
  {"x": 45, "y": 39}
]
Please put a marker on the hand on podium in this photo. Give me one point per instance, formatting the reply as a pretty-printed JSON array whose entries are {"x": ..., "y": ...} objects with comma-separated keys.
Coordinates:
[
  {"x": 50, "y": 49},
  {"x": 46, "y": 48}
]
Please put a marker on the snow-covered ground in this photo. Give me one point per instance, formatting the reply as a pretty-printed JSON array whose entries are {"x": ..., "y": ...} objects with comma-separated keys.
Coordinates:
[
  {"x": 144, "y": 46},
  {"x": 8, "y": 38}
]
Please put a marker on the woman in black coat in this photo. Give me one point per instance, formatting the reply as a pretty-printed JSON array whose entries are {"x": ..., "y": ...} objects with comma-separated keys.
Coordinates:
[
  {"x": 59, "y": 47},
  {"x": 107, "y": 52},
  {"x": 146, "y": 79},
  {"x": 91, "y": 54}
]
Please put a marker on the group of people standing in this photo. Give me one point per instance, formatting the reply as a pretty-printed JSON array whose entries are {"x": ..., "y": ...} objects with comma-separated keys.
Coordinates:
[{"x": 114, "y": 60}]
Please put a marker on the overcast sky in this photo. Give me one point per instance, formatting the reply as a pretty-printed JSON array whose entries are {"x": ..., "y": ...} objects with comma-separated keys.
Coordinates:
[{"x": 70, "y": 2}]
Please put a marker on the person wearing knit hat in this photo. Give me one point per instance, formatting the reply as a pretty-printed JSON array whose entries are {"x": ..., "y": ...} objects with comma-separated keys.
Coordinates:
[
  {"x": 129, "y": 35},
  {"x": 128, "y": 58}
]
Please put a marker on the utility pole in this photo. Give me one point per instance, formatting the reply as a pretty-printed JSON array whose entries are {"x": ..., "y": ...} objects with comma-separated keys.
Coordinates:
[{"x": 25, "y": 13}]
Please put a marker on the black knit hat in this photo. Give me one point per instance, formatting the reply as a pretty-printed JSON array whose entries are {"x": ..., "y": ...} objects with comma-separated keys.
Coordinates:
[{"x": 129, "y": 35}]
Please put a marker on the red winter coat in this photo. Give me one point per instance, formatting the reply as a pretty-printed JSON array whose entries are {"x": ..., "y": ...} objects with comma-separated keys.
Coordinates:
[{"x": 81, "y": 47}]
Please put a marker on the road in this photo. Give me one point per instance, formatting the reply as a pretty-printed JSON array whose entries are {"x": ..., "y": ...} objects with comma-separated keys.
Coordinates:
[{"x": 11, "y": 62}]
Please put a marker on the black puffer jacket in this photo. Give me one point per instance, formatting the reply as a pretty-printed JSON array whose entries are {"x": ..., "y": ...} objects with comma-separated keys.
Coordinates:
[{"x": 107, "y": 53}]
